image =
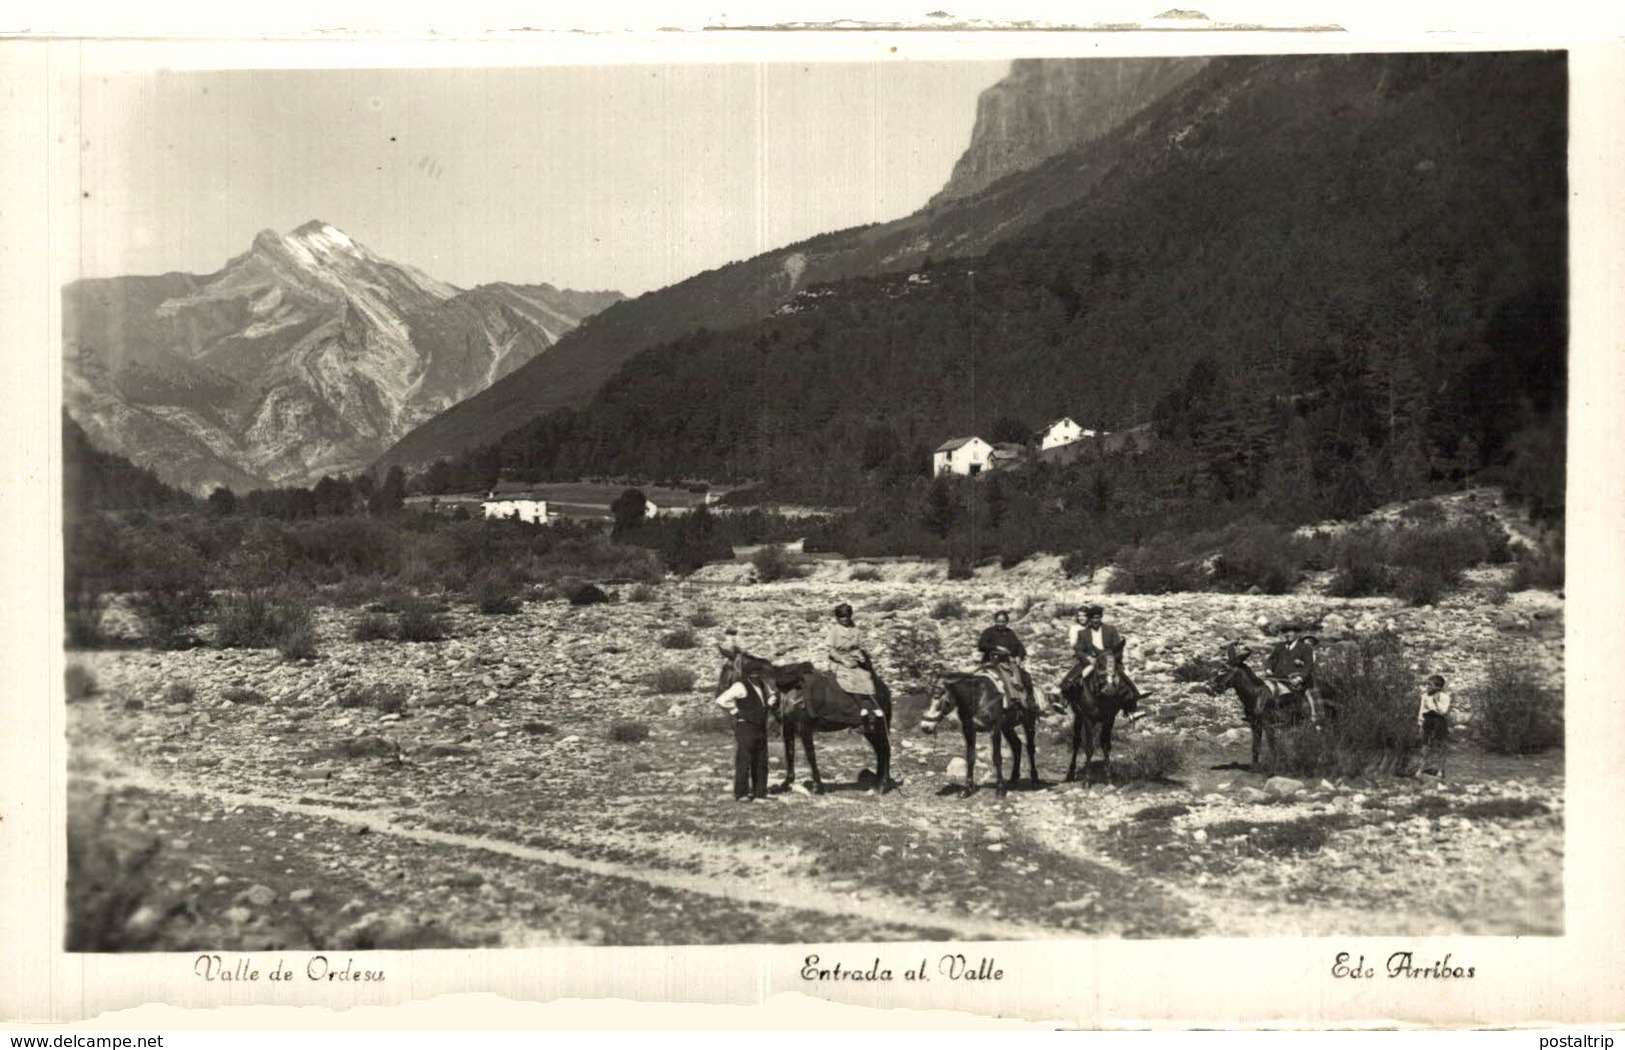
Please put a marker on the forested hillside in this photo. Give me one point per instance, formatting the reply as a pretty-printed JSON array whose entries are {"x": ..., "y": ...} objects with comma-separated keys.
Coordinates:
[{"x": 1323, "y": 278}]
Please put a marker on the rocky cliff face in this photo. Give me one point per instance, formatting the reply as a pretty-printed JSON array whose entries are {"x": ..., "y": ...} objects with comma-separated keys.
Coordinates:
[
  {"x": 306, "y": 355},
  {"x": 1047, "y": 106}
]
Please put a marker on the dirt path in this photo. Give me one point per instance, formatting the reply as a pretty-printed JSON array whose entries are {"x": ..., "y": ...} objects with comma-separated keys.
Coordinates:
[{"x": 801, "y": 894}]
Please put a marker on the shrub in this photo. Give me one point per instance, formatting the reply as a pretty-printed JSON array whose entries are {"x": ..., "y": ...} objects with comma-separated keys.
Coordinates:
[
  {"x": 1540, "y": 569},
  {"x": 894, "y": 602},
  {"x": 587, "y": 594},
  {"x": 624, "y": 732},
  {"x": 1419, "y": 586},
  {"x": 384, "y": 697},
  {"x": 1165, "y": 811},
  {"x": 1375, "y": 695},
  {"x": 296, "y": 633},
  {"x": 172, "y": 595},
  {"x": 948, "y": 609},
  {"x": 373, "y": 627},
  {"x": 1078, "y": 563},
  {"x": 1158, "y": 568},
  {"x": 1009, "y": 559},
  {"x": 702, "y": 618},
  {"x": 865, "y": 574},
  {"x": 1261, "y": 556},
  {"x": 238, "y": 694},
  {"x": 419, "y": 621},
  {"x": 495, "y": 594},
  {"x": 1156, "y": 758},
  {"x": 708, "y": 719},
  {"x": 672, "y": 679},
  {"x": 1513, "y": 713},
  {"x": 80, "y": 683},
  {"x": 773, "y": 564},
  {"x": 1426, "y": 512},
  {"x": 916, "y": 652},
  {"x": 247, "y": 620},
  {"x": 642, "y": 592},
  {"x": 1198, "y": 669},
  {"x": 959, "y": 569},
  {"x": 108, "y": 886},
  {"x": 180, "y": 693},
  {"x": 682, "y": 638}
]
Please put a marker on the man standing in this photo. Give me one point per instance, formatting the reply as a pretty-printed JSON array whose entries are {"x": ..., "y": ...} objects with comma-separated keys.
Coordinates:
[
  {"x": 1003, "y": 651},
  {"x": 1292, "y": 666},
  {"x": 1434, "y": 719},
  {"x": 746, "y": 701}
]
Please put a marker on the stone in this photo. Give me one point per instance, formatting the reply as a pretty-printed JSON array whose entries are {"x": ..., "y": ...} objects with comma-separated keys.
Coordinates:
[
  {"x": 258, "y": 895},
  {"x": 301, "y": 896},
  {"x": 957, "y": 768},
  {"x": 1283, "y": 786}
]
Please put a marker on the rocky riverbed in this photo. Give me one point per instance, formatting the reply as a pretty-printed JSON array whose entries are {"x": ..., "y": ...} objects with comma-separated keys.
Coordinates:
[{"x": 468, "y": 791}]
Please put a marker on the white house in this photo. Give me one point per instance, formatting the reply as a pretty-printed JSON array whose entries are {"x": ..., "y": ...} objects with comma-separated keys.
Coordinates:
[
  {"x": 1062, "y": 432},
  {"x": 533, "y": 511},
  {"x": 966, "y": 455}
]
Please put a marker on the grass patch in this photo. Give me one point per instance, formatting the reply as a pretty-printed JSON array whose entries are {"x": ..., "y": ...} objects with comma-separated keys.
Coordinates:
[
  {"x": 1503, "y": 809},
  {"x": 1539, "y": 570},
  {"x": 1197, "y": 669},
  {"x": 373, "y": 627},
  {"x": 238, "y": 694},
  {"x": 587, "y": 594},
  {"x": 672, "y": 679},
  {"x": 1290, "y": 838},
  {"x": 642, "y": 592},
  {"x": 1155, "y": 758},
  {"x": 949, "y": 609},
  {"x": 180, "y": 693},
  {"x": 296, "y": 633},
  {"x": 864, "y": 574},
  {"x": 702, "y": 618},
  {"x": 385, "y": 698},
  {"x": 707, "y": 721},
  {"x": 627, "y": 732},
  {"x": 682, "y": 638},
  {"x": 894, "y": 602},
  {"x": 421, "y": 621},
  {"x": 496, "y": 594},
  {"x": 1165, "y": 811}
]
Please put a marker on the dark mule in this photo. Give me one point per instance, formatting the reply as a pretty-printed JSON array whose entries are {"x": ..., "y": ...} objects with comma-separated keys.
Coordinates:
[
  {"x": 823, "y": 707},
  {"x": 1096, "y": 699},
  {"x": 1263, "y": 710},
  {"x": 981, "y": 708}
]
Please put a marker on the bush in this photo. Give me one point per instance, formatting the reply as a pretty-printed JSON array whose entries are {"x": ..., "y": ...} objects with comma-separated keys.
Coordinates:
[
  {"x": 108, "y": 886},
  {"x": 640, "y": 593},
  {"x": 419, "y": 621},
  {"x": 247, "y": 620},
  {"x": 296, "y": 633},
  {"x": 894, "y": 602},
  {"x": 587, "y": 594},
  {"x": 865, "y": 574},
  {"x": 180, "y": 693},
  {"x": 1197, "y": 670},
  {"x": 1157, "y": 568},
  {"x": 672, "y": 679},
  {"x": 1513, "y": 713},
  {"x": 172, "y": 594},
  {"x": 1156, "y": 758},
  {"x": 624, "y": 732},
  {"x": 916, "y": 653},
  {"x": 373, "y": 627},
  {"x": 959, "y": 569},
  {"x": 682, "y": 638},
  {"x": 80, "y": 683},
  {"x": 708, "y": 719},
  {"x": 948, "y": 609},
  {"x": 1164, "y": 811},
  {"x": 1539, "y": 570},
  {"x": 495, "y": 594},
  {"x": 1261, "y": 556},
  {"x": 702, "y": 618},
  {"x": 773, "y": 564},
  {"x": 384, "y": 697},
  {"x": 1376, "y": 697},
  {"x": 1078, "y": 563}
]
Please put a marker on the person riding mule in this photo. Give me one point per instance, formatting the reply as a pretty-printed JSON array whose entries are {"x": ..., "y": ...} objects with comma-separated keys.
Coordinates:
[
  {"x": 849, "y": 662},
  {"x": 1290, "y": 668},
  {"x": 1002, "y": 654},
  {"x": 1099, "y": 646}
]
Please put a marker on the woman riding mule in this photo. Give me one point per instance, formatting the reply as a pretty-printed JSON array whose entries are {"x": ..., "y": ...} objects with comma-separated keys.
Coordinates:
[{"x": 1097, "y": 692}]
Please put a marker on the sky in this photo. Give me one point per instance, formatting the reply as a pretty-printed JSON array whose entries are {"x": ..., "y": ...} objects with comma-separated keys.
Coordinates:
[{"x": 622, "y": 176}]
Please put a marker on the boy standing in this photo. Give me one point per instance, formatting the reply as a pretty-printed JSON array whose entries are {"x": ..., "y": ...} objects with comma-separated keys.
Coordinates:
[{"x": 1433, "y": 718}]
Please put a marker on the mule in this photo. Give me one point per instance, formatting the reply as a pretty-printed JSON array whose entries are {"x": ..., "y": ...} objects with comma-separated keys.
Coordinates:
[
  {"x": 823, "y": 707},
  {"x": 1096, "y": 699},
  {"x": 1261, "y": 708},
  {"x": 981, "y": 708}
]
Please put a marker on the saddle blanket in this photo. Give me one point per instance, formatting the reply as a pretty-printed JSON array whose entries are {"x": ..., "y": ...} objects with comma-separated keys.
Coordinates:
[{"x": 853, "y": 680}]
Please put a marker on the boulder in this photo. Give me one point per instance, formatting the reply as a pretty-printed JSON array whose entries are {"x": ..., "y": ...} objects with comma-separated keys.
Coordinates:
[{"x": 1283, "y": 786}]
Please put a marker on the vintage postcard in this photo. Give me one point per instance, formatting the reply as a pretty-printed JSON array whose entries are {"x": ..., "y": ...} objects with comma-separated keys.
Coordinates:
[{"x": 1062, "y": 527}]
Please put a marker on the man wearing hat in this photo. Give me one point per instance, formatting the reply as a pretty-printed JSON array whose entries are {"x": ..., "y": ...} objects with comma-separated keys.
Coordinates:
[
  {"x": 1001, "y": 649},
  {"x": 747, "y": 700},
  {"x": 1291, "y": 666},
  {"x": 733, "y": 659},
  {"x": 1094, "y": 642}
]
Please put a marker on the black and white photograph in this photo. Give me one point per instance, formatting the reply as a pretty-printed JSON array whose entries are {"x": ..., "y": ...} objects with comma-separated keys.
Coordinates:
[{"x": 816, "y": 501}]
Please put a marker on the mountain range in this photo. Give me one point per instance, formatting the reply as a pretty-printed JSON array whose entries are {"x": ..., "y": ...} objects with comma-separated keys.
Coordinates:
[
  {"x": 306, "y": 355},
  {"x": 1030, "y": 153}
]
